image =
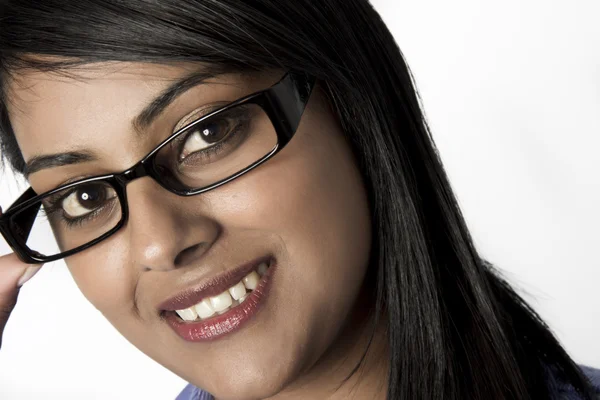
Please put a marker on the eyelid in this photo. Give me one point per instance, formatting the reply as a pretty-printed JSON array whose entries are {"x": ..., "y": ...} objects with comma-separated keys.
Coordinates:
[
  {"x": 198, "y": 113},
  {"x": 67, "y": 182},
  {"x": 71, "y": 180},
  {"x": 63, "y": 183}
]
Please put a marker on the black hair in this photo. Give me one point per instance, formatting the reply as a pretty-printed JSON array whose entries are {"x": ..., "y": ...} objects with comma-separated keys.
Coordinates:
[{"x": 456, "y": 329}]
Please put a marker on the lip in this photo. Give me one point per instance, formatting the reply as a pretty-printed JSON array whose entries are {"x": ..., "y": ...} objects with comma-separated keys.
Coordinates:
[
  {"x": 217, "y": 285},
  {"x": 218, "y": 326}
]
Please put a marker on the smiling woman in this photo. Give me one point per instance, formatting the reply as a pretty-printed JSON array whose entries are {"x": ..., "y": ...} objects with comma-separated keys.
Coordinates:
[{"x": 251, "y": 186}]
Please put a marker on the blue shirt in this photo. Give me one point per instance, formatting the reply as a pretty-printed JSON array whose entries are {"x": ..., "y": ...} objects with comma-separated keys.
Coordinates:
[{"x": 193, "y": 393}]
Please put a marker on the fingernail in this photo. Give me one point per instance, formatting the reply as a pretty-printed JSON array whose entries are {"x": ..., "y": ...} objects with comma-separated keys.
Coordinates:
[{"x": 29, "y": 272}]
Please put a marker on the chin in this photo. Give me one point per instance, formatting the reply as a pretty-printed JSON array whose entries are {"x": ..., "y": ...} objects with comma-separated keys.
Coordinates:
[{"x": 250, "y": 382}]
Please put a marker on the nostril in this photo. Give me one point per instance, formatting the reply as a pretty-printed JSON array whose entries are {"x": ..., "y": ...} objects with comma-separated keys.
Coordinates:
[{"x": 190, "y": 253}]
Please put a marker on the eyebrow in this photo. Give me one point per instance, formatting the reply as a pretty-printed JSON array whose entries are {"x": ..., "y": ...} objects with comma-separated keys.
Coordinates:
[
  {"x": 38, "y": 163},
  {"x": 164, "y": 99},
  {"x": 144, "y": 119}
]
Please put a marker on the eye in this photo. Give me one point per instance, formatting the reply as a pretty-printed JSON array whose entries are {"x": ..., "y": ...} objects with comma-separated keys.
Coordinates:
[
  {"x": 86, "y": 199},
  {"x": 204, "y": 136}
]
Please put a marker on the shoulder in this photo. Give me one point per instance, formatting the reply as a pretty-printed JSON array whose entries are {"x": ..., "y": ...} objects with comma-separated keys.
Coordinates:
[
  {"x": 191, "y": 392},
  {"x": 593, "y": 375},
  {"x": 565, "y": 390}
]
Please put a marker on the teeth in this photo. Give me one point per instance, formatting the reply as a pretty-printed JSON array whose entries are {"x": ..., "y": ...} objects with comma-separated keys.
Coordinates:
[
  {"x": 221, "y": 302},
  {"x": 238, "y": 291},
  {"x": 204, "y": 309},
  {"x": 262, "y": 268},
  {"x": 189, "y": 314},
  {"x": 251, "y": 280}
]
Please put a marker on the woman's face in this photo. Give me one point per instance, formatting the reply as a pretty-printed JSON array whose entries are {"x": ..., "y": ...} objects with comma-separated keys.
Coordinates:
[{"x": 305, "y": 210}]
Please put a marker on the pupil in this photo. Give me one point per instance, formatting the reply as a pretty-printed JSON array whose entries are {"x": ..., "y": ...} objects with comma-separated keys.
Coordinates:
[
  {"x": 210, "y": 133},
  {"x": 90, "y": 196}
]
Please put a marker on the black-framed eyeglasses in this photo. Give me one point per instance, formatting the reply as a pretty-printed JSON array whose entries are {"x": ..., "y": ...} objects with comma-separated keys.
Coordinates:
[{"x": 207, "y": 153}]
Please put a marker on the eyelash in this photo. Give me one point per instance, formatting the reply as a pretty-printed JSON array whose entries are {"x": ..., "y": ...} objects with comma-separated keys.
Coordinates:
[
  {"x": 79, "y": 221},
  {"x": 207, "y": 153},
  {"x": 54, "y": 207},
  {"x": 241, "y": 117}
]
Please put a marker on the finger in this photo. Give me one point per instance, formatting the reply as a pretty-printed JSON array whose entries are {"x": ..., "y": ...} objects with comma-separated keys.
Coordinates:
[
  {"x": 13, "y": 274},
  {"x": 11, "y": 271}
]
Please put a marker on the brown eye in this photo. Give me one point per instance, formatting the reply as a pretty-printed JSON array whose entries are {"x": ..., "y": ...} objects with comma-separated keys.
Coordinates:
[
  {"x": 86, "y": 199},
  {"x": 205, "y": 136}
]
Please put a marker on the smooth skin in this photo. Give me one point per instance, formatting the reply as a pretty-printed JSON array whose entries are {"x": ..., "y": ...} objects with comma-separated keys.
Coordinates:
[{"x": 307, "y": 207}]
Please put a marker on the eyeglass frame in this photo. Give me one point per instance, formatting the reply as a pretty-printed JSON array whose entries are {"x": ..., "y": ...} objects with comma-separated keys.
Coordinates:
[{"x": 284, "y": 103}]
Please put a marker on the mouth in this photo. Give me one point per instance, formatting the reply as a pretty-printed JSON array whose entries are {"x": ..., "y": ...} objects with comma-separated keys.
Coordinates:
[{"x": 221, "y": 306}]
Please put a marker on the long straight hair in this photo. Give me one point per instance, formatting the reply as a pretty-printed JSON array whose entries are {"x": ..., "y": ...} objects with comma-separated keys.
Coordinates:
[{"x": 456, "y": 330}]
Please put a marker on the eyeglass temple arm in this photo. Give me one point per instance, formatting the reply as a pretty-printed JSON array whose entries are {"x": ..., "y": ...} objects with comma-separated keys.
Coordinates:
[{"x": 290, "y": 97}]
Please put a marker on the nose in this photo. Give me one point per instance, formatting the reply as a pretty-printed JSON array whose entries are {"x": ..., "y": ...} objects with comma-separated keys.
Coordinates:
[{"x": 166, "y": 231}]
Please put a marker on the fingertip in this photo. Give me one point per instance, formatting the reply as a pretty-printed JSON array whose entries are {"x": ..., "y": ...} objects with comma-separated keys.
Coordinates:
[{"x": 28, "y": 274}]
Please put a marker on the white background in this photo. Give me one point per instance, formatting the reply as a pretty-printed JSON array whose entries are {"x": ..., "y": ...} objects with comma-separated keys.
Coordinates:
[{"x": 512, "y": 92}]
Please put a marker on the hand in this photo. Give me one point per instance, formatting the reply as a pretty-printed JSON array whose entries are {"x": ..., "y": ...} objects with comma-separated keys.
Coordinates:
[{"x": 13, "y": 274}]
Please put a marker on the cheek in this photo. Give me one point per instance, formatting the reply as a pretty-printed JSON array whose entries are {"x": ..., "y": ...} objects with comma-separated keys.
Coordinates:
[
  {"x": 311, "y": 196},
  {"x": 104, "y": 278}
]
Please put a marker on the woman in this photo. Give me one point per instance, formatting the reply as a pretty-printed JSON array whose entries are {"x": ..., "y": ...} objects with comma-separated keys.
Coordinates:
[{"x": 249, "y": 193}]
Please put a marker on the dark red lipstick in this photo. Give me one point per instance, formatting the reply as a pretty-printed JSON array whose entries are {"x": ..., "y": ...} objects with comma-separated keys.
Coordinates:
[{"x": 231, "y": 320}]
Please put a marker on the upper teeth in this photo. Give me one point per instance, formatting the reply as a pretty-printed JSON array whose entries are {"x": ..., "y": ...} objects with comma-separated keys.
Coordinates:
[{"x": 222, "y": 302}]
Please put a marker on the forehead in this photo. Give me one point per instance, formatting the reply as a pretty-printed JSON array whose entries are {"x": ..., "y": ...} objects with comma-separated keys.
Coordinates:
[
  {"x": 71, "y": 105},
  {"x": 31, "y": 92}
]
